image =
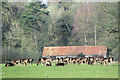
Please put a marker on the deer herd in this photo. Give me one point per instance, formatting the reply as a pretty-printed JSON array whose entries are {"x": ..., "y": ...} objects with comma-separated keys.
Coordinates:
[{"x": 64, "y": 61}]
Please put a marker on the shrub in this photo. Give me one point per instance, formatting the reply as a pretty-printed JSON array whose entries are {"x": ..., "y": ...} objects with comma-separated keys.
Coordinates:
[{"x": 81, "y": 55}]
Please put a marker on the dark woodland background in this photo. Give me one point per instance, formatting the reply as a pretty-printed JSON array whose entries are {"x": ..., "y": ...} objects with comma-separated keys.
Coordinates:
[{"x": 28, "y": 27}]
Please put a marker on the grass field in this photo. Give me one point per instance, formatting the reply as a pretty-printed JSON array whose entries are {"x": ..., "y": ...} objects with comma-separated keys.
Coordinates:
[{"x": 67, "y": 71}]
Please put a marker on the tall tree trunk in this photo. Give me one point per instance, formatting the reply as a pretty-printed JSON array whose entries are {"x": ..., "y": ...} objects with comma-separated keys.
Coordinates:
[
  {"x": 36, "y": 43},
  {"x": 95, "y": 32},
  {"x": 85, "y": 38},
  {"x": 50, "y": 31},
  {"x": 35, "y": 35},
  {"x": 22, "y": 39}
]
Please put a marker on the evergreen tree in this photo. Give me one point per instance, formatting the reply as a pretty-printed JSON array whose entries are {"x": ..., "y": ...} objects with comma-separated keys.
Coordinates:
[{"x": 34, "y": 23}]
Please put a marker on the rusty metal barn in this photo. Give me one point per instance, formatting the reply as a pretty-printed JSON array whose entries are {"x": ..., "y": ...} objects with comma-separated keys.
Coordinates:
[{"x": 62, "y": 51}]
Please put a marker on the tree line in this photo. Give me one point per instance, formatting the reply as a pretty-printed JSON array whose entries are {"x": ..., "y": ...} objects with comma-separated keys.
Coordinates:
[{"x": 29, "y": 27}]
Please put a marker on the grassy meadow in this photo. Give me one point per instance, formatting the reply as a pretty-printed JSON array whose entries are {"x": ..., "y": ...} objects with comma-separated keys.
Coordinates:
[{"x": 67, "y": 71}]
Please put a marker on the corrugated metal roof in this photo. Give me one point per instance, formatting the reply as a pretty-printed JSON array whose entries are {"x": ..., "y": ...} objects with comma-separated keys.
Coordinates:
[{"x": 74, "y": 50}]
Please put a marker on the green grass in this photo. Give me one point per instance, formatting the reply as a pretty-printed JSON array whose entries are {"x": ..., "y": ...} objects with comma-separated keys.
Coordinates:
[{"x": 67, "y": 71}]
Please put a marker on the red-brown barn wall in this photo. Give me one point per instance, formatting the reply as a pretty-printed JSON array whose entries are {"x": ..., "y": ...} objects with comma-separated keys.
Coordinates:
[{"x": 74, "y": 50}]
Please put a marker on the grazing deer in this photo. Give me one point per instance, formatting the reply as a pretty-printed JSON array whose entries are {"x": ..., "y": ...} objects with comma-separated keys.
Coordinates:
[
  {"x": 43, "y": 60},
  {"x": 9, "y": 64}
]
